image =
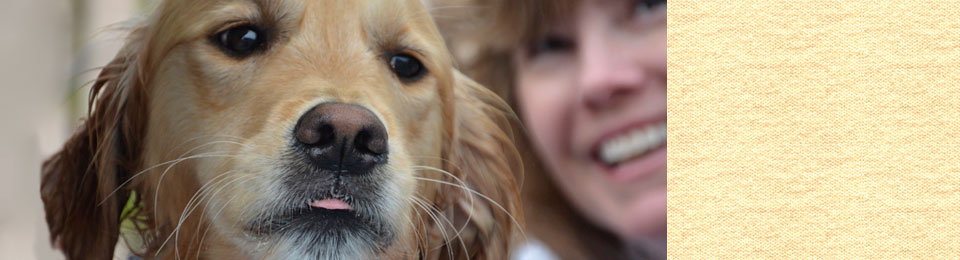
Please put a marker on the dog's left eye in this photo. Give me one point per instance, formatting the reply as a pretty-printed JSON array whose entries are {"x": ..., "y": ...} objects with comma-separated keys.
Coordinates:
[
  {"x": 240, "y": 41},
  {"x": 407, "y": 67}
]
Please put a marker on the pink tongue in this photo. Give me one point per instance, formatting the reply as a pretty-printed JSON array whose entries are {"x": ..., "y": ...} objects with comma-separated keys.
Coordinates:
[{"x": 331, "y": 204}]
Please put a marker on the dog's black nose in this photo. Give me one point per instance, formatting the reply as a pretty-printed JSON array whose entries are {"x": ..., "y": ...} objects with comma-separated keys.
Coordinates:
[{"x": 344, "y": 138}]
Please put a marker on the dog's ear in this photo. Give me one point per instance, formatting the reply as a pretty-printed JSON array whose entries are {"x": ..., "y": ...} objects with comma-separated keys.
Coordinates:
[
  {"x": 486, "y": 212},
  {"x": 79, "y": 181}
]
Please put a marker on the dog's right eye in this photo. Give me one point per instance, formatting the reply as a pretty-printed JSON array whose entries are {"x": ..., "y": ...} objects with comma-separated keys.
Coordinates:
[
  {"x": 407, "y": 67},
  {"x": 240, "y": 41}
]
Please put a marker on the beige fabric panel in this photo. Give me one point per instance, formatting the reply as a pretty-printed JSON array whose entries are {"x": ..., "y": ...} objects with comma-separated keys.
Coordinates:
[{"x": 814, "y": 129}]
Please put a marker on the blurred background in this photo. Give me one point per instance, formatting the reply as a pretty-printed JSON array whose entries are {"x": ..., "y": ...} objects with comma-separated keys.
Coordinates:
[{"x": 49, "y": 53}]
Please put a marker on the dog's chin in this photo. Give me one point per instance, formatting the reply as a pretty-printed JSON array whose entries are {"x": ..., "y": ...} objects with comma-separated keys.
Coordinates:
[
  {"x": 320, "y": 233},
  {"x": 326, "y": 234}
]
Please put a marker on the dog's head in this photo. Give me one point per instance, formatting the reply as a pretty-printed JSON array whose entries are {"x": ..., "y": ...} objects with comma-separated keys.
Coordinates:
[{"x": 288, "y": 129}]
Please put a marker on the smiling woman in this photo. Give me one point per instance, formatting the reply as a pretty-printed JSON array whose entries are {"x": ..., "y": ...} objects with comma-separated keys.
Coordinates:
[{"x": 589, "y": 80}]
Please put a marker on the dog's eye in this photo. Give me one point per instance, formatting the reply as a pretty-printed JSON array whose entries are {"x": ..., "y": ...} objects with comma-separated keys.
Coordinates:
[
  {"x": 240, "y": 41},
  {"x": 406, "y": 67}
]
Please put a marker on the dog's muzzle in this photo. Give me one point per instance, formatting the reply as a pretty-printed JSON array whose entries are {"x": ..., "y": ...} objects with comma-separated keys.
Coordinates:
[{"x": 335, "y": 182}]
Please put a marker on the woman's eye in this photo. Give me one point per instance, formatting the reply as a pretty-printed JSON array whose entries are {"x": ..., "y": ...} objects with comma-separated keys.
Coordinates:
[
  {"x": 645, "y": 6},
  {"x": 240, "y": 41},
  {"x": 551, "y": 44},
  {"x": 406, "y": 67}
]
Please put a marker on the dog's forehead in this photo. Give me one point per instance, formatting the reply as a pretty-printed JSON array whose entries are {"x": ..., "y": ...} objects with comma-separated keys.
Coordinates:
[
  {"x": 340, "y": 15},
  {"x": 311, "y": 26},
  {"x": 377, "y": 22},
  {"x": 382, "y": 18}
]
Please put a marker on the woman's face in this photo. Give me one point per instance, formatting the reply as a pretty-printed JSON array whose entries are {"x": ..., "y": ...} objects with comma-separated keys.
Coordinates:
[{"x": 593, "y": 93}]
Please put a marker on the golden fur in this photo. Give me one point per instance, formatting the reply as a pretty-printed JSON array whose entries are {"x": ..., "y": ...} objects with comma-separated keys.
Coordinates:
[{"x": 197, "y": 134}]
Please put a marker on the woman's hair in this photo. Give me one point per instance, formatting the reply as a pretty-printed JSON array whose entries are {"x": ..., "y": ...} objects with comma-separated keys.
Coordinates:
[{"x": 483, "y": 34}]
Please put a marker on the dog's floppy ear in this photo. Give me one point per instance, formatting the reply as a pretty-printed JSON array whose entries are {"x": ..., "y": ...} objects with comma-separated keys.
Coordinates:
[
  {"x": 77, "y": 182},
  {"x": 484, "y": 157}
]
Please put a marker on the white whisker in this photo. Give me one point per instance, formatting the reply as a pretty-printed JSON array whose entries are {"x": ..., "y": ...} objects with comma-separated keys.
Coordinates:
[
  {"x": 472, "y": 200},
  {"x": 214, "y": 218},
  {"x": 174, "y": 161},
  {"x": 515, "y": 222},
  {"x": 182, "y": 219},
  {"x": 443, "y": 230}
]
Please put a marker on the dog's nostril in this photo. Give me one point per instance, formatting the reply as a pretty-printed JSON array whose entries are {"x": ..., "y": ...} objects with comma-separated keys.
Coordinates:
[
  {"x": 327, "y": 135},
  {"x": 314, "y": 131},
  {"x": 371, "y": 141}
]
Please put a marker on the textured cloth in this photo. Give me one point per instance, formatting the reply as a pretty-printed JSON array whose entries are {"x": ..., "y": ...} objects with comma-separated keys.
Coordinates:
[{"x": 814, "y": 129}]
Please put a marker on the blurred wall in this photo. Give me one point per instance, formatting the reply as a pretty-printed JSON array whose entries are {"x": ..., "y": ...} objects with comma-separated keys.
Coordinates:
[{"x": 44, "y": 48}]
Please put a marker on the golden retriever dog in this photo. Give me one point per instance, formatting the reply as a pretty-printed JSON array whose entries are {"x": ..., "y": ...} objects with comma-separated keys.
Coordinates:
[{"x": 287, "y": 129}]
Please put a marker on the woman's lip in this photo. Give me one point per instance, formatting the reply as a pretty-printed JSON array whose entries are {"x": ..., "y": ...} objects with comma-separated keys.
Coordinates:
[{"x": 639, "y": 167}]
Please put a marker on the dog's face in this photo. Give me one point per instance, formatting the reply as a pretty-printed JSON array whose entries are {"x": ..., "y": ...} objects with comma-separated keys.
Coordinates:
[
  {"x": 321, "y": 111},
  {"x": 291, "y": 129}
]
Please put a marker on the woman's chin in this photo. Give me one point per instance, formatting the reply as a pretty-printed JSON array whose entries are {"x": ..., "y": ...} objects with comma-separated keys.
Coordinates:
[{"x": 647, "y": 216}]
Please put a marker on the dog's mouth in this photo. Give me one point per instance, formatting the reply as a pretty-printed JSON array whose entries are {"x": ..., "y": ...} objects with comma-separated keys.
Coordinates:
[
  {"x": 323, "y": 213},
  {"x": 325, "y": 216},
  {"x": 325, "y": 220}
]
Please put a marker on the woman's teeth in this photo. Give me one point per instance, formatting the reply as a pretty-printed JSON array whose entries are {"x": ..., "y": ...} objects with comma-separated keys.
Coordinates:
[{"x": 633, "y": 143}]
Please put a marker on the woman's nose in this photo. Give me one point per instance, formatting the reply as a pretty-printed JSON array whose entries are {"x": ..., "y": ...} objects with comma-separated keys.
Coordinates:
[{"x": 611, "y": 70}]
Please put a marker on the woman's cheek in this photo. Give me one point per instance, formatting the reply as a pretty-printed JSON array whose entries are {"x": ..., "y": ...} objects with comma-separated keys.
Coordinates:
[{"x": 543, "y": 101}]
